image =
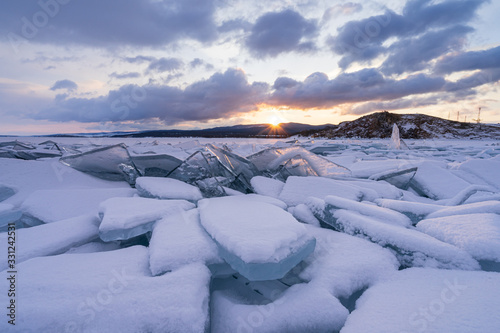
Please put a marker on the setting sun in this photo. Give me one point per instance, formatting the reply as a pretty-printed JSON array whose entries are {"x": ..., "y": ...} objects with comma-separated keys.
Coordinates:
[{"x": 274, "y": 120}]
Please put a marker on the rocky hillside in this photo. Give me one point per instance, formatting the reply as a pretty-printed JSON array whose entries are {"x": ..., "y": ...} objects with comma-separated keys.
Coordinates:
[{"x": 411, "y": 126}]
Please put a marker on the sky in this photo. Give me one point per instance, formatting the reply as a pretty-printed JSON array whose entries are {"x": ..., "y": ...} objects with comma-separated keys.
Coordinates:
[{"x": 71, "y": 66}]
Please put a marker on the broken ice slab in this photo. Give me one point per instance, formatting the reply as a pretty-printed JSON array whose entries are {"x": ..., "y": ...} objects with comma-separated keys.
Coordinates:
[
  {"x": 271, "y": 159},
  {"x": 155, "y": 165},
  {"x": 478, "y": 234},
  {"x": 491, "y": 206},
  {"x": 124, "y": 218},
  {"x": 257, "y": 239},
  {"x": 267, "y": 186},
  {"x": 46, "y": 206},
  {"x": 396, "y": 141},
  {"x": 196, "y": 167},
  {"x": 298, "y": 189},
  {"x": 382, "y": 214},
  {"x": 436, "y": 182},
  {"x": 411, "y": 247},
  {"x": 8, "y": 214},
  {"x": 110, "y": 163},
  {"x": 239, "y": 166},
  {"x": 53, "y": 238},
  {"x": 429, "y": 300},
  {"x": 296, "y": 166},
  {"x": 330, "y": 147},
  {"x": 167, "y": 188},
  {"x": 466, "y": 193},
  {"x": 108, "y": 292},
  {"x": 6, "y": 192},
  {"x": 416, "y": 211},
  {"x": 487, "y": 170},
  {"x": 400, "y": 178},
  {"x": 178, "y": 240},
  {"x": 374, "y": 189}
]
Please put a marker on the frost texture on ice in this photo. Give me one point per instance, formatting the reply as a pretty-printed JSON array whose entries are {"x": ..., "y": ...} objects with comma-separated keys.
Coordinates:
[
  {"x": 110, "y": 163},
  {"x": 178, "y": 240},
  {"x": 108, "y": 292},
  {"x": 259, "y": 240},
  {"x": 411, "y": 247},
  {"x": 53, "y": 238},
  {"x": 48, "y": 206},
  {"x": 298, "y": 189},
  {"x": 124, "y": 218},
  {"x": 167, "y": 188},
  {"x": 478, "y": 234},
  {"x": 429, "y": 300},
  {"x": 267, "y": 186}
]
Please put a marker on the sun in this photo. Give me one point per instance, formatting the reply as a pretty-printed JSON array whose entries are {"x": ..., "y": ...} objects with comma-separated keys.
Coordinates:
[{"x": 274, "y": 120}]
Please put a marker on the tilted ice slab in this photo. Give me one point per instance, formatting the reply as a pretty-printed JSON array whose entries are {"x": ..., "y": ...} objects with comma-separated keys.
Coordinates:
[
  {"x": 436, "y": 182},
  {"x": 53, "y": 238},
  {"x": 384, "y": 215},
  {"x": 411, "y": 247},
  {"x": 478, "y": 234},
  {"x": 267, "y": 186},
  {"x": 108, "y": 292},
  {"x": 259, "y": 240},
  {"x": 492, "y": 206},
  {"x": 298, "y": 189},
  {"x": 178, "y": 240},
  {"x": 487, "y": 170},
  {"x": 429, "y": 300},
  {"x": 54, "y": 205},
  {"x": 301, "y": 308},
  {"x": 416, "y": 211},
  {"x": 124, "y": 218},
  {"x": 167, "y": 188}
]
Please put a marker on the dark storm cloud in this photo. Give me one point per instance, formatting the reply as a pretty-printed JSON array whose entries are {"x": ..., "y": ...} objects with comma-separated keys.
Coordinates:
[
  {"x": 317, "y": 91},
  {"x": 363, "y": 40},
  {"x": 64, "y": 84},
  {"x": 222, "y": 95},
  {"x": 471, "y": 60},
  {"x": 280, "y": 32},
  {"x": 108, "y": 23},
  {"x": 165, "y": 65}
]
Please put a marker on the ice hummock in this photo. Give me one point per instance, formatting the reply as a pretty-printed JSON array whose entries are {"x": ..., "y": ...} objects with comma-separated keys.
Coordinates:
[
  {"x": 124, "y": 218},
  {"x": 167, "y": 188},
  {"x": 396, "y": 141},
  {"x": 259, "y": 240}
]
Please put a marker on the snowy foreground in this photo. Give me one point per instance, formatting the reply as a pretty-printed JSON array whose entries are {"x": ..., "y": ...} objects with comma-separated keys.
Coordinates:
[{"x": 247, "y": 235}]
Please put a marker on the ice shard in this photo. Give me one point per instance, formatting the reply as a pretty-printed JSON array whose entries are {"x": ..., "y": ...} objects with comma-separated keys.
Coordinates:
[
  {"x": 157, "y": 165},
  {"x": 257, "y": 239},
  {"x": 110, "y": 163},
  {"x": 396, "y": 141},
  {"x": 401, "y": 178}
]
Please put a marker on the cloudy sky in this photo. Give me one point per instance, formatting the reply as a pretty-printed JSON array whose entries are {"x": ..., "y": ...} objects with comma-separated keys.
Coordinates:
[{"x": 71, "y": 66}]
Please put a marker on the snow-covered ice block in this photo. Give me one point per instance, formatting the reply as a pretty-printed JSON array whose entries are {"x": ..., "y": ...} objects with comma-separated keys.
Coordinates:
[
  {"x": 259, "y": 240},
  {"x": 416, "y": 211},
  {"x": 487, "y": 170},
  {"x": 367, "y": 168},
  {"x": 411, "y": 247},
  {"x": 167, "y": 188},
  {"x": 436, "y": 182},
  {"x": 108, "y": 292},
  {"x": 298, "y": 189},
  {"x": 53, "y": 238},
  {"x": 491, "y": 206},
  {"x": 179, "y": 240},
  {"x": 48, "y": 206},
  {"x": 303, "y": 214},
  {"x": 124, "y": 218},
  {"x": 267, "y": 186},
  {"x": 301, "y": 308},
  {"x": 478, "y": 234},
  {"x": 429, "y": 300},
  {"x": 8, "y": 214},
  {"x": 6, "y": 192},
  {"x": 382, "y": 214},
  {"x": 375, "y": 189},
  {"x": 465, "y": 194},
  {"x": 95, "y": 246},
  {"x": 343, "y": 264}
]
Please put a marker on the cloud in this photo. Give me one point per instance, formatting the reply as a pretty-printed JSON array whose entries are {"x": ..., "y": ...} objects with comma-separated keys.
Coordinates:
[
  {"x": 64, "y": 84},
  {"x": 139, "y": 59},
  {"x": 165, "y": 65},
  {"x": 235, "y": 25},
  {"x": 280, "y": 32},
  {"x": 363, "y": 40},
  {"x": 347, "y": 8},
  {"x": 467, "y": 61},
  {"x": 110, "y": 23},
  {"x": 414, "y": 102},
  {"x": 127, "y": 75},
  {"x": 196, "y": 62},
  {"x": 223, "y": 95}
]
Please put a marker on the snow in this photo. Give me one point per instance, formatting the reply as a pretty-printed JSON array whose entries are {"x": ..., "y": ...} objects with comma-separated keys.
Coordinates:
[
  {"x": 8, "y": 214},
  {"x": 267, "y": 186},
  {"x": 259, "y": 240},
  {"x": 108, "y": 292},
  {"x": 53, "y": 238},
  {"x": 178, "y": 240},
  {"x": 303, "y": 214},
  {"x": 167, "y": 188},
  {"x": 429, "y": 300},
  {"x": 491, "y": 206},
  {"x": 298, "y": 189},
  {"x": 478, "y": 234},
  {"x": 124, "y": 218},
  {"x": 487, "y": 170}
]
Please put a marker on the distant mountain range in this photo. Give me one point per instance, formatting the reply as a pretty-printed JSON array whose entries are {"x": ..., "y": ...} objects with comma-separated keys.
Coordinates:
[{"x": 376, "y": 125}]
